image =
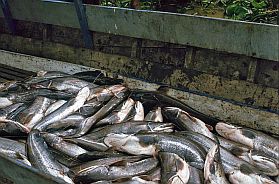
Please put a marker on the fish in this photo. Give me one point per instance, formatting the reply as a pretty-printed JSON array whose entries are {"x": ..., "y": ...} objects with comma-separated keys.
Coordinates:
[
  {"x": 267, "y": 165},
  {"x": 213, "y": 169},
  {"x": 12, "y": 128},
  {"x": 30, "y": 95},
  {"x": 105, "y": 172},
  {"x": 156, "y": 97},
  {"x": 139, "y": 112},
  {"x": 91, "y": 107},
  {"x": 96, "y": 137},
  {"x": 154, "y": 115},
  {"x": 14, "y": 115},
  {"x": 196, "y": 176},
  {"x": 152, "y": 143},
  {"x": 15, "y": 156},
  {"x": 229, "y": 161},
  {"x": 54, "y": 106},
  {"x": 252, "y": 138},
  {"x": 119, "y": 114},
  {"x": 59, "y": 144},
  {"x": 65, "y": 110},
  {"x": 9, "y": 109},
  {"x": 41, "y": 158},
  {"x": 234, "y": 147},
  {"x": 9, "y": 144},
  {"x": 95, "y": 155},
  {"x": 65, "y": 127},
  {"x": 238, "y": 177},
  {"x": 185, "y": 121},
  {"x": 105, "y": 93},
  {"x": 87, "y": 123},
  {"x": 69, "y": 84},
  {"x": 175, "y": 170},
  {"x": 44, "y": 76},
  {"x": 32, "y": 115}
]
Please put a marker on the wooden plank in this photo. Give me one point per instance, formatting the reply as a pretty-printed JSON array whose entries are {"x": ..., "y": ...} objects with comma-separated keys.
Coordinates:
[
  {"x": 222, "y": 109},
  {"x": 251, "y": 39}
]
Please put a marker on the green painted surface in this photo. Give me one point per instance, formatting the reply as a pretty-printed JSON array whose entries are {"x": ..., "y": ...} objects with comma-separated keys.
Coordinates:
[{"x": 251, "y": 39}]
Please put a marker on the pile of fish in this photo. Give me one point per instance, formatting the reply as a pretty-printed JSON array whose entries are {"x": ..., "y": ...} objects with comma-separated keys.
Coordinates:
[{"x": 89, "y": 128}]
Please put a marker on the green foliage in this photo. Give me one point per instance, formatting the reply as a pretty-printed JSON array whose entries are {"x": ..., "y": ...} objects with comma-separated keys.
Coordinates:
[
  {"x": 250, "y": 10},
  {"x": 246, "y": 10}
]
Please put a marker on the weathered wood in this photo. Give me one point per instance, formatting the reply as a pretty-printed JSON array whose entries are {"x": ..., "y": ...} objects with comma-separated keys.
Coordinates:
[
  {"x": 189, "y": 80},
  {"x": 226, "y": 111},
  {"x": 251, "y": 39}
]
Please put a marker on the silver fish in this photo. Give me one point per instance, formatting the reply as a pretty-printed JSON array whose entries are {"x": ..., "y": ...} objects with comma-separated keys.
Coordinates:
[
  {"x": 254, "y": 139},
  {"x": 69, "y": 84},
  {"x": 119, "y": 114},
  {"x": 70, "y": 121},
  {"x": 187, "y": 122},
  {"x": 15, "y": 155},
  {"x": 104, "y": 172},
  {"x": 8, "y": 144},
  {"x": 196, "y": 176},
  {"x": 139, "y": 115},
  {"x": 65, "y": 147},
  {"x": 267, "y": 165},
  {"x": 104, "y": 93},
  {"x": 213, "y": 170},
  {"x": 151, "y": 143},
  {"x": 65, "y": 110},
  {"x": 87, "y": 123},
  {"x": 12, "y": 128},
  {"x": 9, "y": 109},
  {"x": 175, "y": 170},
  {"x": 229, "y": 161},
  {"x": 32, "y": 115},
  {"x": 234, "y": 147},
  {"x": 154, "y": 115},
  {"x": 54, "y": 106},
  {"x": 41, "y": 158},
  {"x": 91, "y": 107},
  {"x": 238, "y": 177}
]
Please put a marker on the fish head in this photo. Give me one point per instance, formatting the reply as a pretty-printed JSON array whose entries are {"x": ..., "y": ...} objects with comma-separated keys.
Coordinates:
[
  {"x": 209, "y": 166},
  {"x": 172, "y": 112},
  {"x": 265, "y": 164},
  {"x": 129, "y": 143},
  {"x": 115, "y": 89},
  {"x": 234, "y": 133},
  {"x": 51, "y": 139}
]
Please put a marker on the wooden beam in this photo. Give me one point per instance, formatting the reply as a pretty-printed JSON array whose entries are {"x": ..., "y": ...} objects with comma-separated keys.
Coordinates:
[{"x": 251, "y": 39}]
